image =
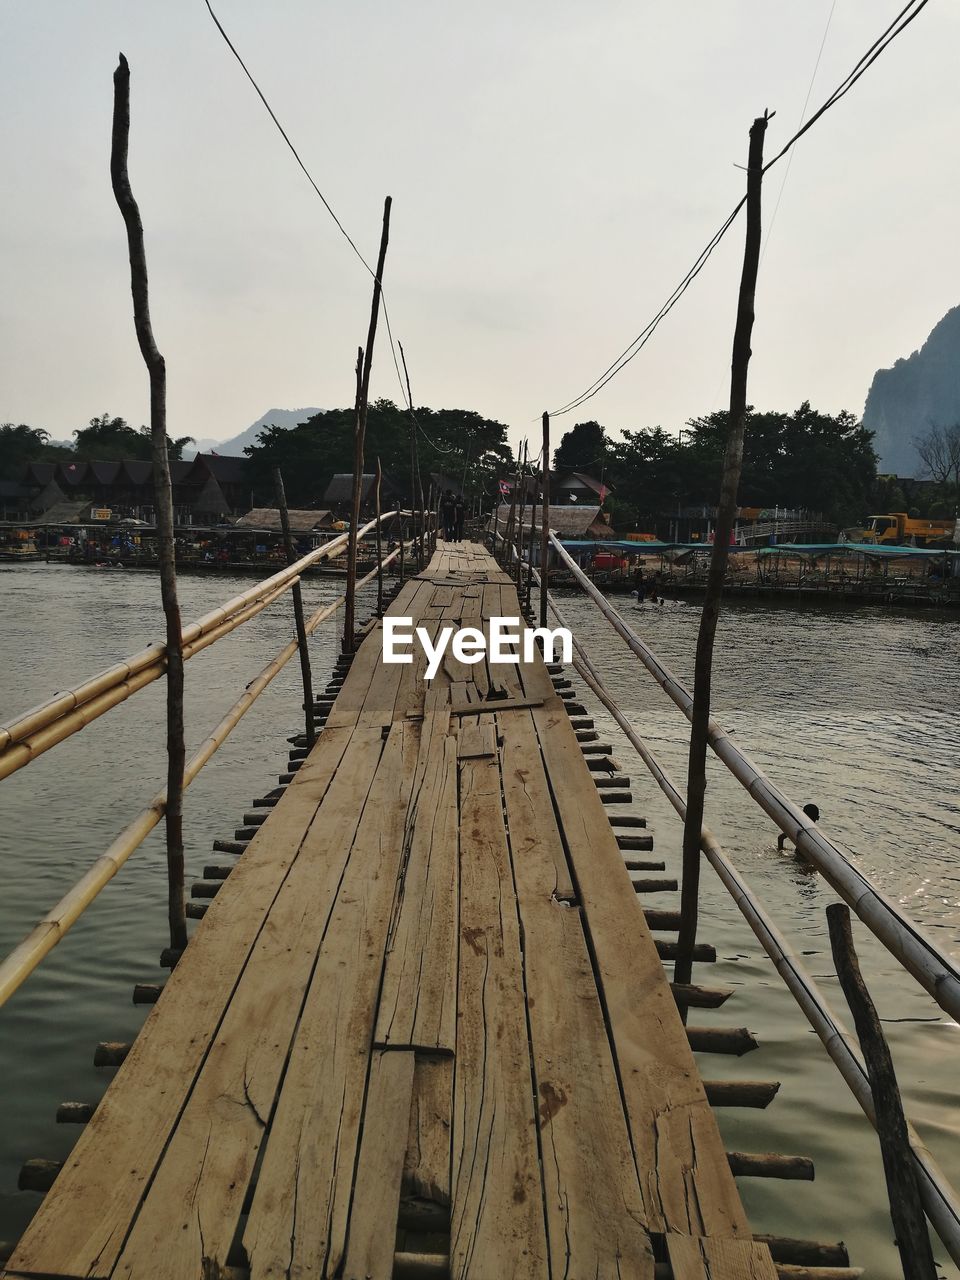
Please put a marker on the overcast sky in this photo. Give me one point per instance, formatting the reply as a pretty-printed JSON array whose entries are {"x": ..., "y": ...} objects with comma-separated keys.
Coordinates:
[{"x": 555, "y": 166}]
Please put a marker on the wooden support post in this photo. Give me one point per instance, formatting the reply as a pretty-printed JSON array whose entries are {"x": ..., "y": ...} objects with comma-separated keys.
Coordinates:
[
  {"x": 400, "y": 569},
  {"x": 376, "y": 488},
  {"x": 349, "y": 604},
  {"x": 528, "y": 589},
  {"x": 363, "y": 390},
  {"x": 156, "y": 368},
  {"x": 545, "y": 524},
  {"x": 416, "y": 480},
  {"x": 305, "y": 673},
  {"x": 906, "y": 1210},
  {"x": 726, "y": 513},
  {"x": 507, "y": 561},
  {"x": 522, "y": 481}
]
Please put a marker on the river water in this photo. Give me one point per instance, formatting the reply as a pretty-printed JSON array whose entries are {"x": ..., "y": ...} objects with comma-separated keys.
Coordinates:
[{"x": 855, "y": 709}]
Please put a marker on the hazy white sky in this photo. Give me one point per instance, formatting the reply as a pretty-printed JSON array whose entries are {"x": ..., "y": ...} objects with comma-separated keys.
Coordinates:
[{"x": 555, "y": 167}]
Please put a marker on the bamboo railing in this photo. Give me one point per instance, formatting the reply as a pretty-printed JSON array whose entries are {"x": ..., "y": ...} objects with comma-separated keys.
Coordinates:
[
  {"x": 940, "y": 1198},
  {"x": 30, "y": 735},
  {"x": 902, "y": 937},
  {"x": 52, "y": 927}
]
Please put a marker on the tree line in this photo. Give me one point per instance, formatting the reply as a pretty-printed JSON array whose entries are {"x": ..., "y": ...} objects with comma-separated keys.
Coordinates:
[
  {"x": 803, "y": 458},
  {"x": 104, "y": 439}
]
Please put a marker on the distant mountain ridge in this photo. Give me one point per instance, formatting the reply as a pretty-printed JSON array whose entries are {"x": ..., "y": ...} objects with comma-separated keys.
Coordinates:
[
  {"x": 920, "y": 391},
  {"x": 235, "y": 446}
]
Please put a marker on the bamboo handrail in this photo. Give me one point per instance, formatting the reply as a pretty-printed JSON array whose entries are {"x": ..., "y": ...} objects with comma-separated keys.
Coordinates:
[
  {"x": 940, "y": 1199},
  {"x": 131, "y": 669},
  {"x": 40, "y": 941},
  {"x": 932, "y": 968},
  {"x": 29, "y": 748}
]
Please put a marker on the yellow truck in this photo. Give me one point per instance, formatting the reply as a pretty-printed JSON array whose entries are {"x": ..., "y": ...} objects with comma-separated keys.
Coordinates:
[{"x": 898, "y": 529}]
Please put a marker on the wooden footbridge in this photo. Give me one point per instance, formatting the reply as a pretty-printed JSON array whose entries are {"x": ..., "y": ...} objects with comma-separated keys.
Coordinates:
[{"x": 424, "y": 1008}]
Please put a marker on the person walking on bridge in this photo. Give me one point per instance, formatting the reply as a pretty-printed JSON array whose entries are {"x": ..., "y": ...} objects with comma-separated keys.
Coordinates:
[
  {"x": 447, "y": 514},
  {"x": 459, "y": 515}
]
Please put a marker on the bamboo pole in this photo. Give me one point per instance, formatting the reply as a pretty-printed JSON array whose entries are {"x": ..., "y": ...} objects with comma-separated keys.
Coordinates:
[
  {"x": 40, "y": 941},
  {"x": 934, "y": 969},
  {"x": 23, "y": 738},
  {"x": 726, "y": 514},
  {"x": 522, "y": 481},
  {"x": 400, "y": 569},
  {"x": 939, "y": 1197},
  {"x": 545, "y": 524},
  {"x": 416, "y": 480},
  {"x": 156, "y": 368},
  {"x": 305, "y": 673},
  {"x": 533, "y": 524},
  {"x": 363, "y": 391},
  {"x": 349, "y": 612},
  {"x": 377, "y": 482},
  {"x": 909, "y": 1223},
  {"x": 27, "y": 750}
]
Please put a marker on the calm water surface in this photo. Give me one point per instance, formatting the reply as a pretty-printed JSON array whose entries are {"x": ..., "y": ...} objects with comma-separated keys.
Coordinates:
[{"x": 856, "y": 710}]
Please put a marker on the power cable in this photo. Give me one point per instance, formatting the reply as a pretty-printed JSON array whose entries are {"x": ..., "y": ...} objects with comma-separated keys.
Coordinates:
[{"x": 903, "y": 19}]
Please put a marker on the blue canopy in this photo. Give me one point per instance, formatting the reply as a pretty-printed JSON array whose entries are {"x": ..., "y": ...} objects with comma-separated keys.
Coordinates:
[{"x": 867, "y": 549}]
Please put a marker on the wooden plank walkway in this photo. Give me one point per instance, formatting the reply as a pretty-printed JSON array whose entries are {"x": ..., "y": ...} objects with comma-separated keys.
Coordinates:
[{"x": 424, "y": 1011}]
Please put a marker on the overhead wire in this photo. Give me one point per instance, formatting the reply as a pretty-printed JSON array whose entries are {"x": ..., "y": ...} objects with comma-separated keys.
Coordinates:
[
  {"x": 904, "y": 18},
  {"x": 326, "y": 203}
]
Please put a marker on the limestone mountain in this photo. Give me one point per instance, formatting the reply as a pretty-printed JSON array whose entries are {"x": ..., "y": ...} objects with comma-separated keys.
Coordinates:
[
  {"x": 234, "y": 447},
  {"x": 919, "y": 392}
]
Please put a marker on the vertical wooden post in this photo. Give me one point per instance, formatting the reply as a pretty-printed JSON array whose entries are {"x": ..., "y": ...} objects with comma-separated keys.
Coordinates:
[
  {"x": 509, "y": 531},
  {"x": 305, "y": 672},
  {"x": 726, "y": 513},
  {"x": 400, "y": 534},
  {"x": 528, "y": 592},
  {"x": 906, "y": 1210},
  {"x": 416, "y": 480},
  {"x": 361, "y": 426},
  {"x": 349, "y": 601},
  {"x": 522, "y": 481},
  {"x": 496, "y": 524},
  {"x": 545, "y": 523},
  {"x": 431, "y": 525},
  {"x": 156, "y": 368},
  {"x": 378, "y": 480}
]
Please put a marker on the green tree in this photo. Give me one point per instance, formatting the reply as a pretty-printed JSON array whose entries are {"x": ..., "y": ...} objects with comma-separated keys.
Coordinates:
[
  {"x": 462, "y": 444},
  {"x": 807, "y": 459},
  {"x": 108, "y": 439},
  {"x": 584, "y": 447},
  {"x": 20, "y": 444}
]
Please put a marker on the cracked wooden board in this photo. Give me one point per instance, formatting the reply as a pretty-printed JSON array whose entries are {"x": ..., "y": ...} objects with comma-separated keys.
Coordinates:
[
  {"x": 594, "y": 1209},
  {"x": 192, "y": 1209},
  {"x": 686, "y": 1181},
  {"x": 497, "y": 1225},
  {"x": 299, "y": 1216},
  {"x": 698, "y": 1259},
  {"x": 418, "y": 998},
  {"x": 383, "y": 1147},
  {"x": 80, "y": 1228}
]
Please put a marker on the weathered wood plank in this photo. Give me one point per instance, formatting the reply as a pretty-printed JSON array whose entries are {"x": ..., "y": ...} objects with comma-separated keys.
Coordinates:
[
  {"x": 533, "y": 828},
  {"x": 81, "y": 1226},
  {"x": 426, "y": 1168},
  {"x": 594, "y": 1209},
  {"x": 191, "y": 1211},
  {"x": 700, "y": 1259},
  {"x": 418, "y": 1003},
  {"x": 298, "y": 1217},
  {"x": 497, "y": 1213},
  {"x": 371, "y": 1241},
  {"x": 686, "y": 1182}
]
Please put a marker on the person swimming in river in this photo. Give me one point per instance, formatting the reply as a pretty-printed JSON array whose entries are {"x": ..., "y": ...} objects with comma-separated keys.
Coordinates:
[{"x": 812, "y": 812}]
